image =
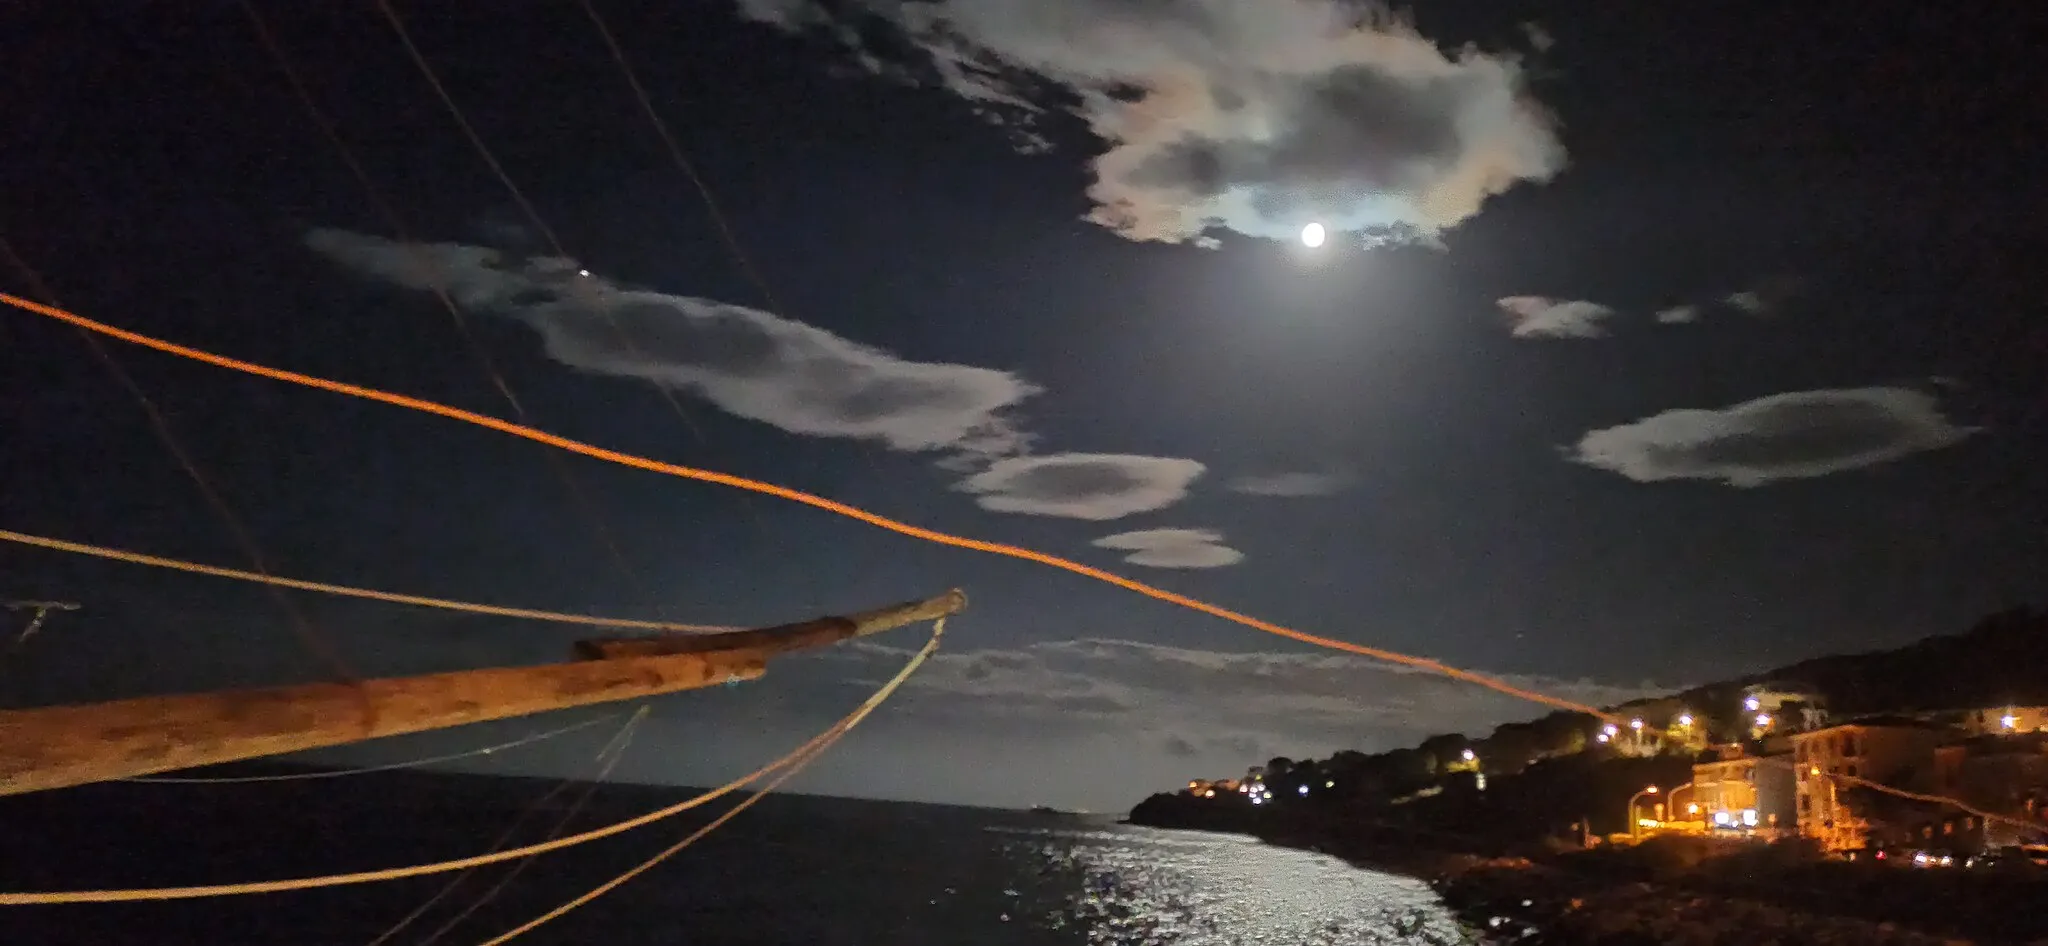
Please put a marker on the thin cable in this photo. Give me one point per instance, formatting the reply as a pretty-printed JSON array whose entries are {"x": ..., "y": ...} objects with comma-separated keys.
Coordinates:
[
  {"x": 613, "y": 751},
  {"x": 938, "y": 630},
  {"x": 309, "y": 635},
  {"x": 368, "y": 769},
  {"x": 495, "y": 857},
  {"x": 350, "y": 591},
  {"x": 842, "y": 509},
  {"x": 726, "y": 233},
  {"x": 554, "y": 242},
  {"x": 586, "y": 506},
  {"x": 682, "y": 161}
]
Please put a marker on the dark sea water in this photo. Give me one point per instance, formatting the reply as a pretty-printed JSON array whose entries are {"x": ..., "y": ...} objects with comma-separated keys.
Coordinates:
[{"x": 792, "y": 871}]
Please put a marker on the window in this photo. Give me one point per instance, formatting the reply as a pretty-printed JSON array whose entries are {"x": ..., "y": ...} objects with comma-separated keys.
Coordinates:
[
  {"x": 1948, "y": 827},
  {"x": 1851, "y": 772},
  {"x": 1969, "y": 822},
  {"x": 1805, "y": 804},
  {"x": 1927, "y": 832}
]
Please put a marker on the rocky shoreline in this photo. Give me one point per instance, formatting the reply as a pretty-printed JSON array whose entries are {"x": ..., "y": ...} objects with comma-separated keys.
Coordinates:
[{"x": 1656, "y": 895}]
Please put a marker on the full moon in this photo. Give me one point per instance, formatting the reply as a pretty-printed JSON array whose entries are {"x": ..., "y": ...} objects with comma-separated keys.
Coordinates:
[{"x": 1312, "y": 235}]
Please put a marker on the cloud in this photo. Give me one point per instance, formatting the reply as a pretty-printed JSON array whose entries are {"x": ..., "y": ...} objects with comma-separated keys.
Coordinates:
[
  {"x": 1785, "y": 436},
  {"x": 1746, "y": 300},
  {"x": 1095, "y": 486},
  {"x": 750, "y": 363},
  {"x": 1173, "y": 548},
  {"x": 1679, "y": 314},
  {"x": 1251, "y": 115},
  {"x": 1202, "y": 702},
  {"x": 1292, "y": 485},
  {"x": 1543, "y": 317}
]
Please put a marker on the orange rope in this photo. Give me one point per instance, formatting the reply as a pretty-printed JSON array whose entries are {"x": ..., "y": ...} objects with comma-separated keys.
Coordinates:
[
  {"x": 797, "y": 496},
  {"x": 851, "y": 512}
]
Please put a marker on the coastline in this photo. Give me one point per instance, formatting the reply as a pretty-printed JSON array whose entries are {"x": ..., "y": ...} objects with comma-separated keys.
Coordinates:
[{"x": 1656, "y": 895}]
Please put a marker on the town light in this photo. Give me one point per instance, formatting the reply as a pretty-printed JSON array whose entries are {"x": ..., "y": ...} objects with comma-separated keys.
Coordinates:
[
  {"x": 1752, "y": 704},
  {"x": 1635, "y": 724},
  {"x": 1652, "y": 790},
  {"x": 1813, "y": 770},
  {"x": 2009, "y": 722},
  {"x": 1468, "y": 755},
  {"x": 1763, "y": 719},
  {"x": 1692, "y": 809},
  {"x": 1211, "y": 793},
  {"x": 1685, "y": 719},
  {"x": 1329, "y": 784},
  {"x": 1302, "y": 790},
  {"x": 1603, "y": 737}
]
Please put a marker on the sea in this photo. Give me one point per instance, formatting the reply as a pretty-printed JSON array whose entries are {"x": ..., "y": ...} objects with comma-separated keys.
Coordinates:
[{"x": 791, "y": 871}]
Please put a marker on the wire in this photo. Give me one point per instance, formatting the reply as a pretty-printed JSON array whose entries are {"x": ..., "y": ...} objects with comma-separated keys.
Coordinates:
[
  {"x": 832, "y": 736},
  {"x": 613, "y": 751},
  {"x": 349, "y": 591},
  {"x": 851, "y": 512},
  {"x": 682, "y": 162},
  {"x": 577, "y": 495},
  {"x": 309, "y": 635},
  {"x": 496, "y": 857},
  {"x": 366, "y": 770},
  {"x": 554, "y": 242}
]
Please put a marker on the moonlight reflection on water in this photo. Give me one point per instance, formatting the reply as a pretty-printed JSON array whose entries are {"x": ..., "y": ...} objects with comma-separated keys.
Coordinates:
[{"x": 1155, "y": 888}]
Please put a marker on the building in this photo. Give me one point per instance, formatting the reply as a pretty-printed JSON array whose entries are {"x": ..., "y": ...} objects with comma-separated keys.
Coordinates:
[
  {"x": 1784, "y": 707},
  {"x": 1742, "y": 794},
  {"x": 2007, "y": 720},
  {"x": 1896, "y": 751}
]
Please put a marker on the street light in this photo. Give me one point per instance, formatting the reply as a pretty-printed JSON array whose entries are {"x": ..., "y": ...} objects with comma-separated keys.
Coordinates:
[
  {"x": 1752, "y": 704},
  {"x": 1684, "y": 719},
  {"x": 1635, "y": 724},
  {"x": 1468, "y": 755},
  {"x": 1689, "y": 809},
  {"x": 2009, "y": 722},
  {"x": 1635, "y": 830}
]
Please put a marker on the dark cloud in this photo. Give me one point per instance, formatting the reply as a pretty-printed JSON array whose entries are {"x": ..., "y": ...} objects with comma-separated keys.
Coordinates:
[
  {"x": 1095, "y": 486},
  {"x": 1679, "y": 314},
  {"x": 1784, "y": 436},
  {"x": 1543, "y": 317},
  {"x": 1248, "y": 115},
  {"x": 1292, "y": 485},
  {"x": 1173, "y": 548}
]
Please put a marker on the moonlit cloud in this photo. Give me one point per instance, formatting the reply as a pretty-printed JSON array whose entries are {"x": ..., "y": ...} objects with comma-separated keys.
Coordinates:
[
  {"x": 1255, "y": 116},
  {"x": 1173, "y": 548},
  {"x": 1679, "y": 314},
  {"x": 1785, "y": 436},
  {"x": 750, "y": 363},
  {"x": 1291, "y": 485},
  {"x": 1746, "y": 300},
  {"x": 1094, "y": 486},
  {"x": 1543, "y": 317}
]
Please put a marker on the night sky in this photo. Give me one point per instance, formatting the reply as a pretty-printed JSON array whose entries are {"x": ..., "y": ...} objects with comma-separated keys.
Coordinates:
[{"x": 1652, "y": 344}]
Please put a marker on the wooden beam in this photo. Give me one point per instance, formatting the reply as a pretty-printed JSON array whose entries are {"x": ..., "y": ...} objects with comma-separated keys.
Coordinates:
[{"x": 60, "y": 746}]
